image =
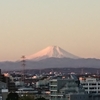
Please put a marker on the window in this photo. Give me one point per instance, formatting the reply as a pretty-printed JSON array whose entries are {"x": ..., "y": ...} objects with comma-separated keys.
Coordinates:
[
  {"x": 92, "y": 91},
  {"x": 93, "y": 83},
  {"x": 59, "y": 96},
  {"x": 98, "y": 91},
  {"x": 92, "y": 88},
  {"x": 98, "y": 83}
]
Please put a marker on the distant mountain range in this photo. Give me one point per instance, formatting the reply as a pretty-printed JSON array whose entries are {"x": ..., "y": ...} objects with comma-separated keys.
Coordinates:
[{"x": 52, "y": 57}]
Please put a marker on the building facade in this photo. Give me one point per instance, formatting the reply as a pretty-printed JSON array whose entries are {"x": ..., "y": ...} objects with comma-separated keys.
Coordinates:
[
  {"x": 91, "y": 85},
  {"x": 67, "y": 89}
]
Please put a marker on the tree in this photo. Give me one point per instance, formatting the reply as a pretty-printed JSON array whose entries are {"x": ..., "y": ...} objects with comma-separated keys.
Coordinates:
[
  {"x": 12, "y": 96},
  {"x": 41, "y": 98},
  {"x": 26, "y": 98}
]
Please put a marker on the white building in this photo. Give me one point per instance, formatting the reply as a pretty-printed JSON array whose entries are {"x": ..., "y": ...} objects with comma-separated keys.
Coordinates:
[
  {"x": 41, "y": 83},
  {"x": 19, "y": 83},
  {"x": 91, "y": 85},
  {"x": 67, "y": 89}
]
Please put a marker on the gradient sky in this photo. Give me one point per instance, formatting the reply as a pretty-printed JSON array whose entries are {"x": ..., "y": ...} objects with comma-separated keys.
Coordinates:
[{"x": 27, "y": 26}]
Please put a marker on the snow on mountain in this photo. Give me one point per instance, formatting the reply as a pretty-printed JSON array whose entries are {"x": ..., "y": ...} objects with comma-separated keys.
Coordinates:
[{"x": 51, "y": 51}]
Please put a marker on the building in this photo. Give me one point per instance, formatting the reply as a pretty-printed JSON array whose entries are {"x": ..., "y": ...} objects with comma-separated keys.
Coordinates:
[
  {"x": 3, "y": 85},
  {"x": 67, "y": 89},
  {"x": 42, "y": 83},
  {"x": 91, "y": 85},
  {"x": 3, "y": 91},
  {"x": 11, "y": 86}
]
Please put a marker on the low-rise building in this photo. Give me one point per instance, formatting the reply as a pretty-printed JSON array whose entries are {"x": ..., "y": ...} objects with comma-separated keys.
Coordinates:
[
  {"x": 67, "y": 89},
  {"x": 91, "y": 85}
]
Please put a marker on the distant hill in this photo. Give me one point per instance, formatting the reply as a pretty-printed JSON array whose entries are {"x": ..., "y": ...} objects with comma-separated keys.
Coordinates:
[{"x": 52, "y": 63}]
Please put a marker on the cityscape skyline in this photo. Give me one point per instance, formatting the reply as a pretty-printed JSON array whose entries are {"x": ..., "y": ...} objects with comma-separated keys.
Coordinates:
[{"x": 30, "y": 26}]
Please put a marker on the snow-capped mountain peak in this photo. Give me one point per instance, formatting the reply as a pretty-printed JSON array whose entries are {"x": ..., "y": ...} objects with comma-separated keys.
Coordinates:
[{"x": 51, "y": 51}]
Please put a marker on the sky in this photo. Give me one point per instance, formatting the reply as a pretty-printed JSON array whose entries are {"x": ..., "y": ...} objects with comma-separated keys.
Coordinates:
[{"x": 28, "y": 26}]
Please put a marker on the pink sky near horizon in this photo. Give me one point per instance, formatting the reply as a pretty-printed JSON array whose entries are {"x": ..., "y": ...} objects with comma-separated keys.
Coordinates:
[{"x": 27, "y": 27}]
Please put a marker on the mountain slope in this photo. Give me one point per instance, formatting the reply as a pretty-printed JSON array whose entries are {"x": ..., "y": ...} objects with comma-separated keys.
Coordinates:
[
  {"x": 51, "y": 51},
  {"x": 52, "y": 63}
]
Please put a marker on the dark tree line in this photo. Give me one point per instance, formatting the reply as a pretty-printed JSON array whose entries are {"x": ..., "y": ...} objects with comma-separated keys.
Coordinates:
[{"x": 14, "y": 96}]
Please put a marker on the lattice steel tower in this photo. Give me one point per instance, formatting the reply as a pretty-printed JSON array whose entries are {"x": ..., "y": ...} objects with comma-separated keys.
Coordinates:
[{"x": 23, "y": 62}]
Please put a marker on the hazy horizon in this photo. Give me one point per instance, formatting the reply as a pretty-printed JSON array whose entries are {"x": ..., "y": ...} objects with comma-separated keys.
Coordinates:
[{"x": 27, "y": 27}]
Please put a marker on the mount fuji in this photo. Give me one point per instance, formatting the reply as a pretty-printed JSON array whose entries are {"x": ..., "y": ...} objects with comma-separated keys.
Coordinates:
[
  {"x": 52, "y": 57},
  {"x": 51, "y": 52}
]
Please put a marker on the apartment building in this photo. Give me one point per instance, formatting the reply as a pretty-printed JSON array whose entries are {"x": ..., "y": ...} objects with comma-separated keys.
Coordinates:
[
  {"x": 67, "y": 89},
  {"x": 91, "y": 85}
]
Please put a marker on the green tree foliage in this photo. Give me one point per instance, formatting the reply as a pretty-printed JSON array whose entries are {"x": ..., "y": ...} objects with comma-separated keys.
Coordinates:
[
  {"x": 12, "y": 96},
  {"x": 41, "y": 98},
  {"x": 26, "y": 98}
]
